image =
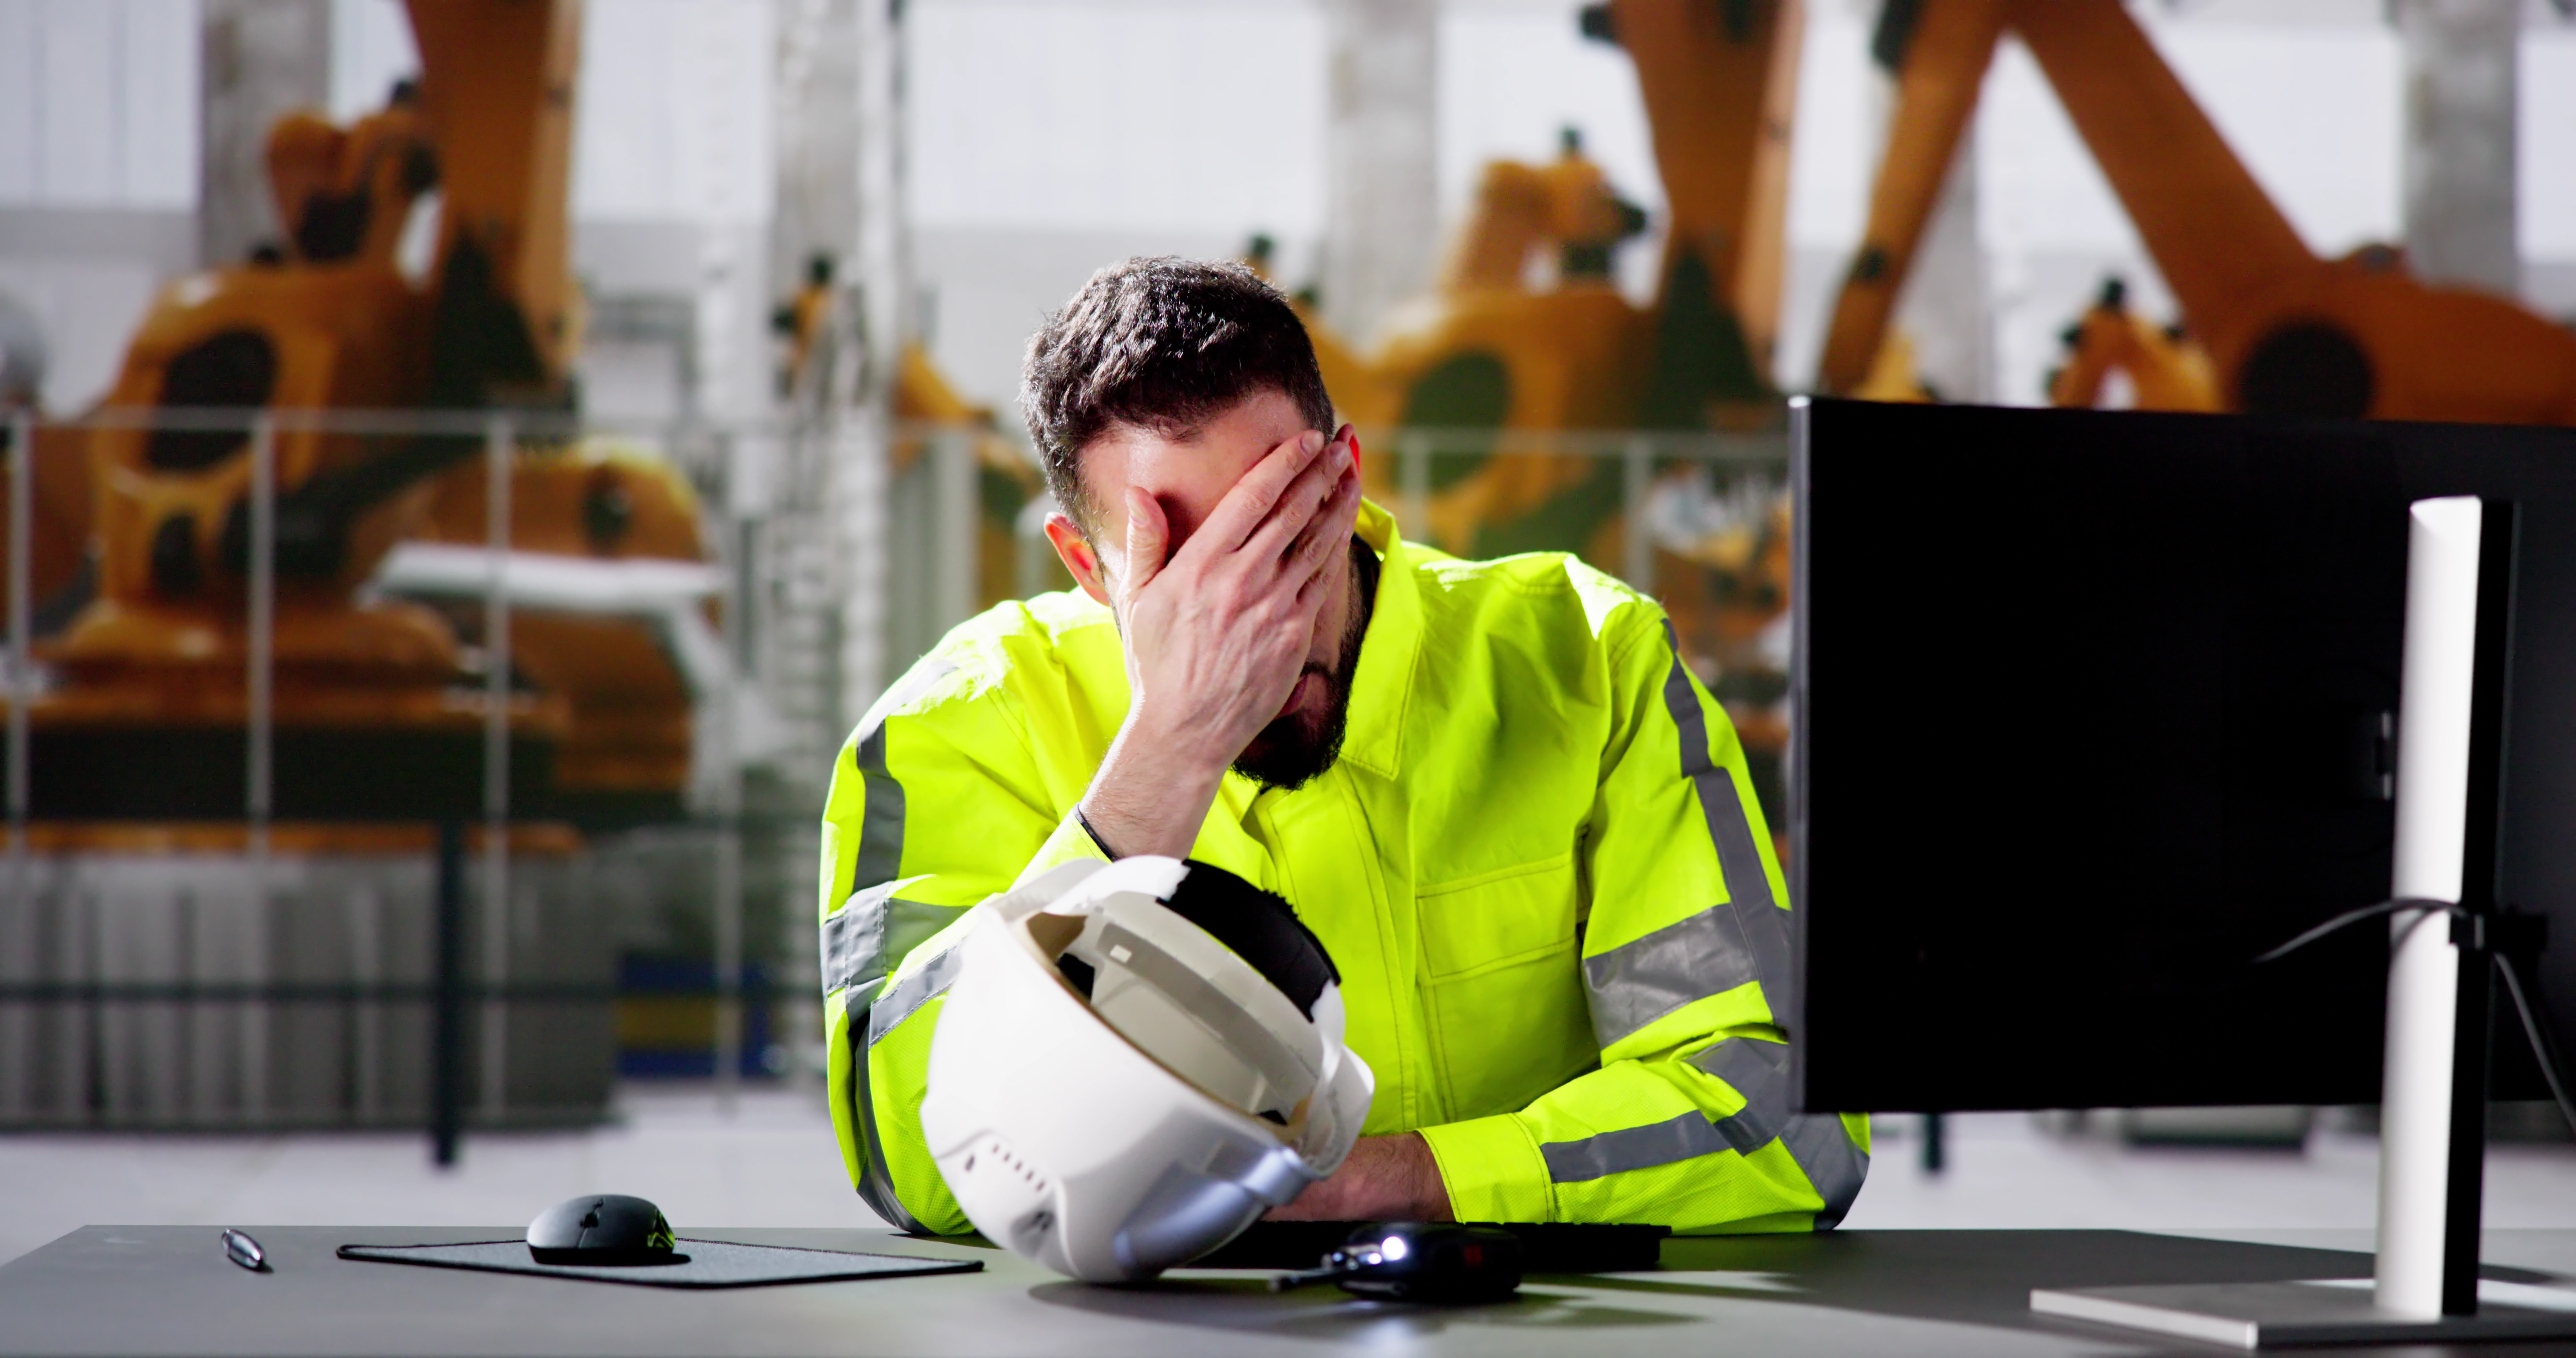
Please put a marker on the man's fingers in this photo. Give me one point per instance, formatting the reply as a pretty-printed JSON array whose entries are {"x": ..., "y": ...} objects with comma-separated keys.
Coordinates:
[
  {"x": 1248, "y": 504},
  {"x": 1329, "y": 534},
  {"x": 1305, "y": 499},
  {"x": 1329, "y": 527},
  {"x": 1147, "y": 535}
]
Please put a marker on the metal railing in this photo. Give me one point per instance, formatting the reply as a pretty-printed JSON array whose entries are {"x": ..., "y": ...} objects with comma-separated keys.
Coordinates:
[
  {"x": 1639, "y": 453},
  {"x": 501, "y": 437}
]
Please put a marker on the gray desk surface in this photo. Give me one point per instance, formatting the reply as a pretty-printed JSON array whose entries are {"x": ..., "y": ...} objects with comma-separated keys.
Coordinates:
[{"x": 169, "y": 1290}]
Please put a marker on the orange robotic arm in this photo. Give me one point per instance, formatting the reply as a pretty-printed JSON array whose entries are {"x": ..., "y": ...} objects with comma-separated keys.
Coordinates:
[
  {"x": 497, "y": 90},
  {"x": 2286, "y": 331},
  {"x": 1720, "y": 84},
  {"x": 1944, "y": 50}
]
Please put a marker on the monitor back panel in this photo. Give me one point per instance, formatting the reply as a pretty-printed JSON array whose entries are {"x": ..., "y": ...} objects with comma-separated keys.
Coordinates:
[{"x": 2091, "y": 709}]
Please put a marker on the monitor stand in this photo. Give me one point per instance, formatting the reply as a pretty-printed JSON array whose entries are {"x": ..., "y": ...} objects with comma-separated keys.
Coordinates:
[{"x": 2432, "y": 1149}]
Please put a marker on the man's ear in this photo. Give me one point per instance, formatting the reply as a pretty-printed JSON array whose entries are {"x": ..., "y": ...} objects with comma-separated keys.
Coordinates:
[{"x": 1075, "y": 552}]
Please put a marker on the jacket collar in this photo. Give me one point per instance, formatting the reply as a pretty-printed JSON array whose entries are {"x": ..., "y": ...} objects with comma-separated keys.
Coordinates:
[{"x": 1389, "y": 652}]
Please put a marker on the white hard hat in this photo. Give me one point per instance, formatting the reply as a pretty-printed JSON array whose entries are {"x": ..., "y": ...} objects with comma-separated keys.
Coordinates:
[{"x": 1114, "y": 1129}]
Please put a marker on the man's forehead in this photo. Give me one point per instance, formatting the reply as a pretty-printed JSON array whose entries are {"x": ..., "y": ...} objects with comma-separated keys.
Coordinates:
[{"x": 1194, "y": 458}]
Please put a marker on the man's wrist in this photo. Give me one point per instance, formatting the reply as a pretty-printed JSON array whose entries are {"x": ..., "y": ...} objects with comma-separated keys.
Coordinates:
[
  {"x": 1098, "y": 840},
  {"x": 1386, "y": 1178},
  {"x": 1150, "y": 794}
]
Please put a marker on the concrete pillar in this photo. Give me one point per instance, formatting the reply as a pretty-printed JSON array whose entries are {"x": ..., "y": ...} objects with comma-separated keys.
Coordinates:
[
  {"x": 878, "y": 269},
  {"x": 262, "y": 59},
  {"x": 1381, "y": 195},
  {"x": 735, "y": 66},
  {"x": 817, "y": 142},
  {"x": 839, "y": 144},
  {"x": 2459, "y": 140}
]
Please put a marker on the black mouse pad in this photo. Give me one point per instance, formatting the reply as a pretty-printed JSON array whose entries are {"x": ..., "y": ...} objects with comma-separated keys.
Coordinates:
[{"x": 701, "y": 1263}]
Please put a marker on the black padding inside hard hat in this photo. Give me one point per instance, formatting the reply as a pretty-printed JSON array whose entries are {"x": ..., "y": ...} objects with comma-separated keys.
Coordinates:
[
  {"x": 1261, "y": 928},
  {"x": 1076, "y": 972}
]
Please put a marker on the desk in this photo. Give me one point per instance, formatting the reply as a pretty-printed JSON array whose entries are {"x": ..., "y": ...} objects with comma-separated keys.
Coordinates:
[{"x": 168, "y": 1289}]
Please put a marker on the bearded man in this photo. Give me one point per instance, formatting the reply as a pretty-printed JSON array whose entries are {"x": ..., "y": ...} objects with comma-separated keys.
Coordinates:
[{"x": 1519, "y": 825}]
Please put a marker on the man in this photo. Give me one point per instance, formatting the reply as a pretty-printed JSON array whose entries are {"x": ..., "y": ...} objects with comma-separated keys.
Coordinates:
[{"x": 1493, "y": 791}]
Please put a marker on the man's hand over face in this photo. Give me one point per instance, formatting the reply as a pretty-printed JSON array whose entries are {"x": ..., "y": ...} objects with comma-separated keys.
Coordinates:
[{"x": 1217, "y": 634}]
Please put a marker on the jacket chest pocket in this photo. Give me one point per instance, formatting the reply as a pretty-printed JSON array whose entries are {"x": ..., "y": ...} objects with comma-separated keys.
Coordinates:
[{"x": 1503, "y": 983}]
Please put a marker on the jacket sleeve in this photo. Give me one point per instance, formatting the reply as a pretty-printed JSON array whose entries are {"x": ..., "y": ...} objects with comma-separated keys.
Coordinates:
[
  {"x": 936, "y": 803},
  {"x": 1686, "y": 965}
]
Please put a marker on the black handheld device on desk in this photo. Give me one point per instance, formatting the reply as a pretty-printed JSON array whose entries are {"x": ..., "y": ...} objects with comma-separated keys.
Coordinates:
[{"x": 1435, "y": 1262}]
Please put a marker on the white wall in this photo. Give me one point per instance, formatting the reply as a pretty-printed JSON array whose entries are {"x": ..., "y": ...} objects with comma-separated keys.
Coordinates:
[
  {"x": 98, "y": 171},
  {"x": 98, "y": 103},
  {"x": 2546, "y": 146},
  {"x": 1046, "y": 139}
]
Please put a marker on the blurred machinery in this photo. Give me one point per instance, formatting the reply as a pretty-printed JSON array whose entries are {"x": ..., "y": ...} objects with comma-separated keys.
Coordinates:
[
  {"x": 335, "y": 325},
  {"x": 1526, "y": 333},
  {"x": 2165, "y": 369},
  {"x": 2282, "y": 331},
  {"x": 383, "y": 412},
  {"x": 59, "y": 519},
  {"x": 934, "y": 421},
  {"x": 1525, "y": 328},
  {"x": 22, "y": 356},
  {"x": 946, "y": 448}
]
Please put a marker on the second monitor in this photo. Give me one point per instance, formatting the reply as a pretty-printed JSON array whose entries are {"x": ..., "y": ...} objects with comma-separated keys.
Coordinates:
[{"x": 2094, "y": 708}]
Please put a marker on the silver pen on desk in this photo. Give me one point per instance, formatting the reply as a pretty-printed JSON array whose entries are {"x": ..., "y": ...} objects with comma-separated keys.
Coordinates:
[{"x": 243, "y": 1250}]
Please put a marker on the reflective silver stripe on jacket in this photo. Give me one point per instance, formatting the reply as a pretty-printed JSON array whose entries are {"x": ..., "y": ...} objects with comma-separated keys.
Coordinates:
[
  {"x": 876, "y": 1181},
  {"x": 1744, "y": 938},
  {"x": 1759, "y": 1071},
  {"x": 1832, "y": 1163},
  {"x": 880, "y": 857},
  {"x": 1709, "y": 953},
  {"x": 862, "y": 938},
  {"x": 1657, "y": 1143},
  {"x": 906, "y": 996},
  {"x": 871, "y": 932}
]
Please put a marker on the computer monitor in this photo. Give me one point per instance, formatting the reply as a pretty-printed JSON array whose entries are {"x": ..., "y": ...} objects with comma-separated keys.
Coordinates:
[{"x": 2092, "y": 708}]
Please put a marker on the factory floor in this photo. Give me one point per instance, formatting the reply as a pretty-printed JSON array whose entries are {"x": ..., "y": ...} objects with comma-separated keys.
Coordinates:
[{"x": 770, "y": 1161}]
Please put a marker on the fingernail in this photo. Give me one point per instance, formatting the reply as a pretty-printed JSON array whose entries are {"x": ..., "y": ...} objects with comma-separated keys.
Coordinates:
[{"x": 1311, "y": 440}]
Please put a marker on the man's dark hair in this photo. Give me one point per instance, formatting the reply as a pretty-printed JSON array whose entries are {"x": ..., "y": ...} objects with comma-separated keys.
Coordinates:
[{"x": 1164, "y": 344}]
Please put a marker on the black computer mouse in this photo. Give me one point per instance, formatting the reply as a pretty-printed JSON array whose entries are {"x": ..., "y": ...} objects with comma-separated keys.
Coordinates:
[
  {"x": 1425, "y": 1262},
  {"x": 601, "y": 1228}
]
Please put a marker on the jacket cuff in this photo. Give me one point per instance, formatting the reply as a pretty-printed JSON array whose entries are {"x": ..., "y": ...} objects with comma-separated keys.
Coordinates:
[
  {"x": 1071, "y": 841},
  {"x": 1492, "y": 1169}
]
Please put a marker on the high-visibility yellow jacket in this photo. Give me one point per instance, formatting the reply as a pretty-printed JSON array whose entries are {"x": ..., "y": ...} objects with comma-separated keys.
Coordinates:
[{"x": 1537, "y": 865}]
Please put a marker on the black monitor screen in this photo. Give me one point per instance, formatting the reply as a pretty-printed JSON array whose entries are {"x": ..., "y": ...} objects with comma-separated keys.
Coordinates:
[{"x": 2091, "y": 708}]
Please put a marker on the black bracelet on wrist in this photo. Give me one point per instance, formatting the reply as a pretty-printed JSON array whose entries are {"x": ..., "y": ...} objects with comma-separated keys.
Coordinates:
[{"x": 1085, "y": 821}]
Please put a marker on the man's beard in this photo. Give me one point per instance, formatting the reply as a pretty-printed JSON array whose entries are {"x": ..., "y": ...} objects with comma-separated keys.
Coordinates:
[{"x": 1295, "y": 747}]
